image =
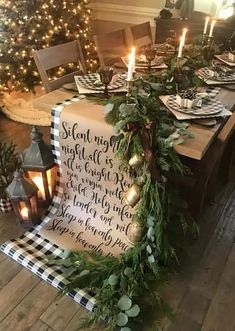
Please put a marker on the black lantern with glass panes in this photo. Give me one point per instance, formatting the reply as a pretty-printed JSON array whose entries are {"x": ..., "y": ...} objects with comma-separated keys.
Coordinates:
[
  {"x": 38, "y": 164},
  {"x": 22, "y": 193}
]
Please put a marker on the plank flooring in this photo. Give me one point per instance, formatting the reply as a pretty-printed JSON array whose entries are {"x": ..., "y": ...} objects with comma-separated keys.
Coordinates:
[{"x": 202, "y": 294}]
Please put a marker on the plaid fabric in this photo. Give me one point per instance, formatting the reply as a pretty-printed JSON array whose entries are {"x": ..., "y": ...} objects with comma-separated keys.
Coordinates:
[
  {"x": 32, "y": 250},
  {"x": 88, "y": 80},
  {"x": 5, "y": 206}
]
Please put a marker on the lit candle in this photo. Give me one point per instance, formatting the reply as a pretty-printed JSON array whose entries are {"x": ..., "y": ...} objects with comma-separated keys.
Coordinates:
[
  {"x": 182, "y": 42},
  {"x": 133, "y": 54},
  {"x": 212, "y": 28},
  {"x": 39, "y": 182},
  {"x": 131, "y": 64},
  {"x": 24, "y": 213},
  {"x": 206, "y": 24}
]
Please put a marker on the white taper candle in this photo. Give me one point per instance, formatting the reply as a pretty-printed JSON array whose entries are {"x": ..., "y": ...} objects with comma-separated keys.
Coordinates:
[
  {"x": 212, "y": 28},
  {"x": 206, "y": 24}
]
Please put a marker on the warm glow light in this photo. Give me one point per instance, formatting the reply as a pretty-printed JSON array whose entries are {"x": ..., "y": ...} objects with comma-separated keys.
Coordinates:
[
  {"x": 206, "y": 24},
  {"x": 182, "y": 42},
  {"x": 39, "y": 182},
  {"x": 131, "y": 64},
  {"x": 49, "y": 179},
  {"x": 212, "y": 28},
  {"x": 24, "y": 213},
  {"x": 226, "y": 12}
]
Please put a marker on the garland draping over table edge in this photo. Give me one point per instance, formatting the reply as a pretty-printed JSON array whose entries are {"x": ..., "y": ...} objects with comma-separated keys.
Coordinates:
[{"x": 127, "y": 286}]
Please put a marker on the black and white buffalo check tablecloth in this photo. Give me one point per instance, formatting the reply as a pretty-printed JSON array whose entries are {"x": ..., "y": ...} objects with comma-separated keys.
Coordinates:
[{"x": 32, "y": 250}]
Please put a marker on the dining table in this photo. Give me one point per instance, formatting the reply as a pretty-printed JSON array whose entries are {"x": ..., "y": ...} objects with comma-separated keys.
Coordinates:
[
  {"x": 193, "y": 148},
  {"x": 198, "y": 151}
]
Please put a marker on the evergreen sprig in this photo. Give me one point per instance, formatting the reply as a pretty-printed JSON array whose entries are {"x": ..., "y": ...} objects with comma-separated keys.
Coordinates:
[
  {"x": 9, "y": 162},
  {"x": 122, "y": 283}
]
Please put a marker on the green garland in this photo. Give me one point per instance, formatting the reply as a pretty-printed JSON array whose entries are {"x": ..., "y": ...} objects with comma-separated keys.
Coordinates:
[{"x": 126, "y": 286}]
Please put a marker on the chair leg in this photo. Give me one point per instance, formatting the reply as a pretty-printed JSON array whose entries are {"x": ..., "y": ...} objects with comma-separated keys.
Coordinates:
[{"x": 227, "y": 159}]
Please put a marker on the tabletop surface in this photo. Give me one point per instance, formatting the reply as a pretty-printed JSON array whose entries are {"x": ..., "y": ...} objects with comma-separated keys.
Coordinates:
[{"x": 194, "y": 148}]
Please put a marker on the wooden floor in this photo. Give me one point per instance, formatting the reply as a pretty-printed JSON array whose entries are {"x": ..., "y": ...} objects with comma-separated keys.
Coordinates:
[{"x": 202, "y": 294}]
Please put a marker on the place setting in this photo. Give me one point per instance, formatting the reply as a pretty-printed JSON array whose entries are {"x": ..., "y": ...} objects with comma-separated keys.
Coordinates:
[
  {"x": 227, "y": 57},
  {"x": 217, "y": 75},
  {"x": 190, "y": 104},
  {"x": 147, "y": 60},
  {"x": 104, "y": 81}
]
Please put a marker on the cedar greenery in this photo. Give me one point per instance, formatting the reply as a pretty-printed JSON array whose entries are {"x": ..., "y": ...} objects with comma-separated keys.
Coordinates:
[
  {"x": 9, "y": 162},
  {"x": 126, "y": 287},
  {"x": 122, "y": 284}
]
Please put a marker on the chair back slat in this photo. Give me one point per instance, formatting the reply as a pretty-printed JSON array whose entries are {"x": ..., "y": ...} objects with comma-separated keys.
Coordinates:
[
  {"x": 141, "y": 34},
  {"x": 111, "y": 46},
  {"x": 53, "y": 57}
]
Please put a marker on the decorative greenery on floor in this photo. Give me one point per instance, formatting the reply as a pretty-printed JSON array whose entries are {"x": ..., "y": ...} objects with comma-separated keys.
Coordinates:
[
  {"x": 9, "y": 162},
  {"x": 127, "y": 285}
]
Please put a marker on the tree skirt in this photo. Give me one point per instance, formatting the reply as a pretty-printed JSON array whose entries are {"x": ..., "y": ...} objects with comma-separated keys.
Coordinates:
[
  {"x": 33, "y": 251},
  {"x": 20, "y": 107}
]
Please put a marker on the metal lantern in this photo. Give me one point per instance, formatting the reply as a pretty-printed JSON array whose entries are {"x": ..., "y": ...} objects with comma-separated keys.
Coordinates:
[
  {"x": 23, "y": 195},
  {"x": 38, "y": 164}
]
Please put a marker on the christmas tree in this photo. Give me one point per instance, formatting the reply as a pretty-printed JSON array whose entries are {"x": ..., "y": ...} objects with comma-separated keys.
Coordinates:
[{"x": 36, "y": 24}]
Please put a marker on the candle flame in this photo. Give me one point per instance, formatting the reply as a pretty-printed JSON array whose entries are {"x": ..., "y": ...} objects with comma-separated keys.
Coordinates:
[
  {"x": 182, "y": 42},
  {"x": 24, "y": 213},
  {"x": 131, "y": 64},
  {"x": 39, "y": 182}
]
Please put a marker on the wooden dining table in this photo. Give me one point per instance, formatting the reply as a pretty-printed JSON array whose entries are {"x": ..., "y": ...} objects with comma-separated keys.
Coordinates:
[
  {"x": 194, "y": 148},
  {"x": 203, "y": 152}
]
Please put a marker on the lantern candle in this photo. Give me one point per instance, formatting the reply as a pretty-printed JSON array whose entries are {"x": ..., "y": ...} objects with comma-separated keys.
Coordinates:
[
  {"x": 206, "y": 24},
  {"x": 39, "y": 182},
  {"x": 23, "y": 195},
  {"x": 182, "y": 42},
  {"x": 38, "y": 164},
  {"x": 212, "y": 28},
  {"x": 24, "y": 213},
  {"x": 131, "y": 64}
]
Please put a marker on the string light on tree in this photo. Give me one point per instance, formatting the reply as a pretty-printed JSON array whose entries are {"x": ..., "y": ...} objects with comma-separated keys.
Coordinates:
[{"x": 22, "y": 20}]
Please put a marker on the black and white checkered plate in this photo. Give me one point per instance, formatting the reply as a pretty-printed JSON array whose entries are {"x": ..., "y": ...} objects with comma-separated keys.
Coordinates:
[
  {"x": 87, "y": 81},
  {"x": 209, "y": 107},
  {"x": 205, "y": 74}
]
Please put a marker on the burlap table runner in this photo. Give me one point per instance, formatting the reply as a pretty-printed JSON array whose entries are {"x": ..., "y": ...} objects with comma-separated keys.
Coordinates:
[{"x": 92, "y": 214}]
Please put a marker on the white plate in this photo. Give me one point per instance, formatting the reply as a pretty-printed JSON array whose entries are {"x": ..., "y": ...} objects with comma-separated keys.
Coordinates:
[
  {"x": 88, "y": 80},
  {"x": 209, "y": 107},
  {"x": 205, "y": 73}
]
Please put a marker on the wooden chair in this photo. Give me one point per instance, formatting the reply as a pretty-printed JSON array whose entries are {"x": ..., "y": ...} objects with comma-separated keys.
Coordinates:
[
  {"x": 52, "y": 57},
  {"x": 111, "y": 46},
  {"x": 141, "y": 34}
]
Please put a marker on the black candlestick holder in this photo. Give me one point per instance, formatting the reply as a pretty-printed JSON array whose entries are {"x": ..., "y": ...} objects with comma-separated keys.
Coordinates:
[
  {"x": 204, "y": 39},
  {"x": 178, "y": 74},
  {"x": 150, "y": 54},
  {"x": 208, "y": 50},
  {"x": 129, "y": 87},
  {"x": 106, "y": 75}
]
